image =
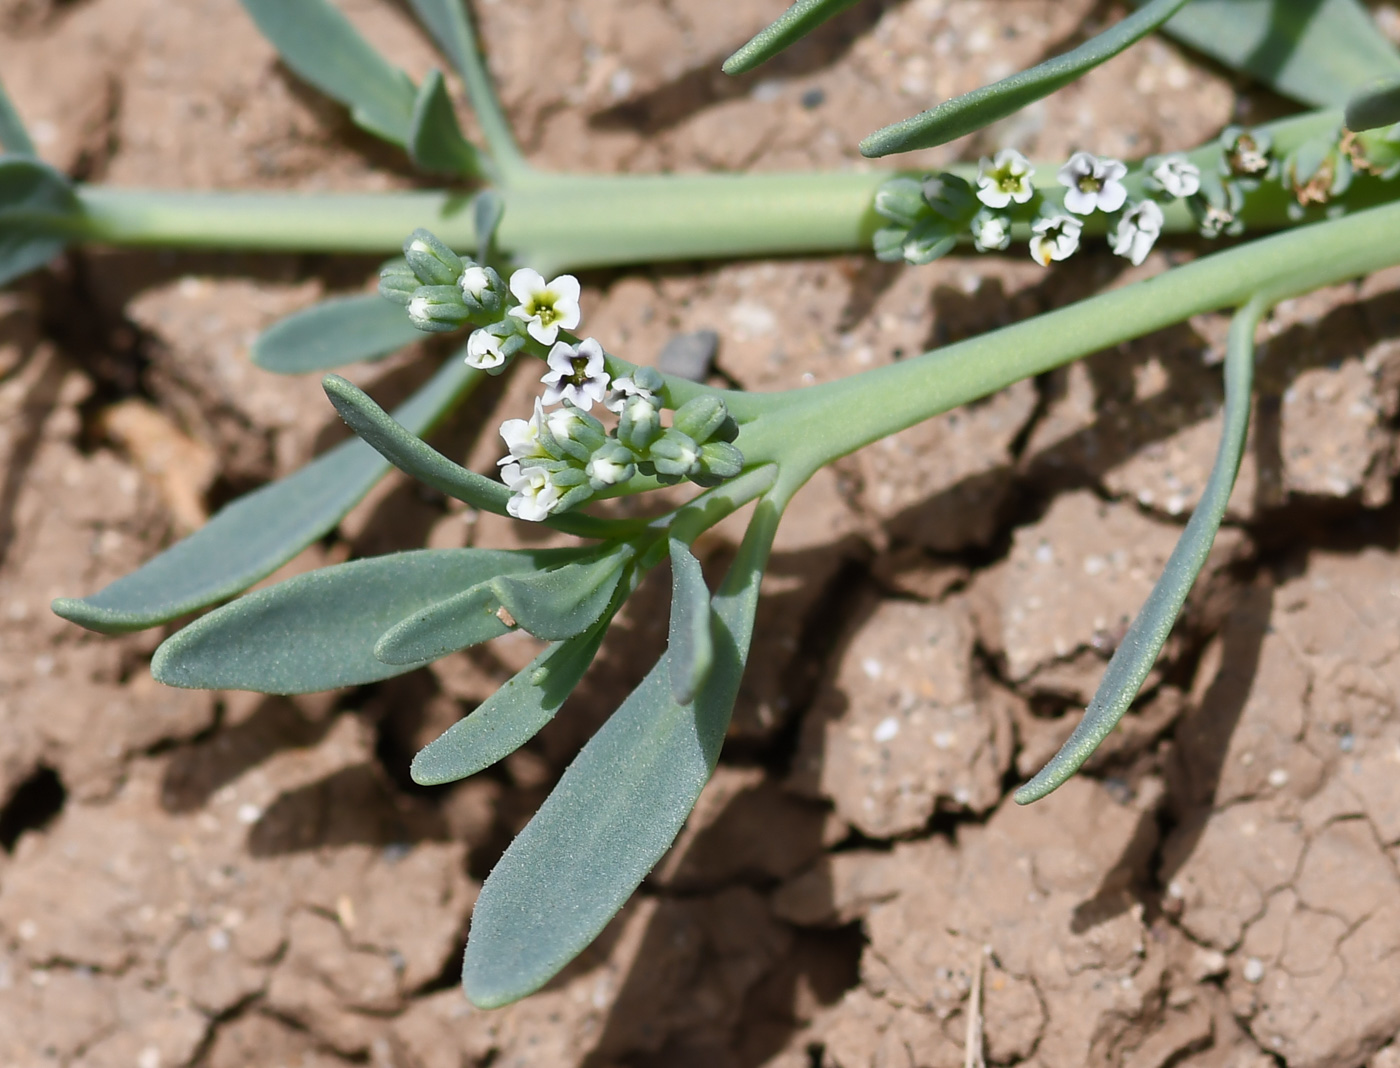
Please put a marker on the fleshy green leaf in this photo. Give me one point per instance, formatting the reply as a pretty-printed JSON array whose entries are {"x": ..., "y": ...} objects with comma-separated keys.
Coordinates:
[
  {"x": 14, "y": 138},
  {"x": 488, "y": 209},
  {"x": 511, "y": 716},
  {"x": 435, "y": 141},
  {"x": 319, "y": 43},
  {"x": 690, "y": 650},
  {"x": 566, "y": 601},
  {"x": 410, "y": 454},
  {"x": 974, "y": 110},
  {"x": 550, "y": 604},
  {"x": 793, "y": 24},
  {"x": 257, "y": 533},
  {"x": 317, "y": 631},
  {"x": 1319, "y": 52},
  {"x": 466, "y": 618},
  {"x": 333, "y": 333},
  {"x": 446, "y": 20},
  {"x": 1138, "y": 651},
  {"x": 1374, "y": 107},
  {"x": 617, "y": 809},
  {"x": 37, "y": 209}
]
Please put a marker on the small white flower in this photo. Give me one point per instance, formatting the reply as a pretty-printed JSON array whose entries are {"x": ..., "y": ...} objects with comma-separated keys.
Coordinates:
[
  {"x": 609, "y": 471},
  {"x": 1054, "y": 237},
  {"x": 576, "y": 374},
  {"x": 546, "y": 307},
  {"x": 522, "y": 437},
  {"x": 622, "y": 390},
  {"x": 483, "y": 351},
  {"x": 534, "y": 494},
  {"x": 990, "y": 231},
  {"x": 1178, "y": 176},
  {"x": 1004, "y": 179},
  {"x": 1093, "y": 183},
  {"x": 1137, "y": 231},
  {"x": 474, "y": 281}
]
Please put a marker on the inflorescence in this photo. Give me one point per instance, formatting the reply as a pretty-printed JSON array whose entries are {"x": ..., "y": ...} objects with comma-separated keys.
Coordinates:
[
  {"x": 558, "y": 459},
  {"x": 927, "y": 218}
]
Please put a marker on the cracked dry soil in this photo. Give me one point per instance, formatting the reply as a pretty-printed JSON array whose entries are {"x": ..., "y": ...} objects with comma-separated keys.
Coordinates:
[{"x": 227, "y": 880}]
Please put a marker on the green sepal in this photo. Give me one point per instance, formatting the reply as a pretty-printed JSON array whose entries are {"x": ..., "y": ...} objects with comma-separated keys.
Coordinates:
[
  {"x": 435, "y": 141},
  {"x": 317, "y": 631},
  {"x": 432, "y": 261},
  {"x": 901, "y": 200}
]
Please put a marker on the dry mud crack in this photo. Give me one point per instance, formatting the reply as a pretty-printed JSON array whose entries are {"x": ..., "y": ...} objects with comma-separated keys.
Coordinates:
[{"x": 198, "y": 880}]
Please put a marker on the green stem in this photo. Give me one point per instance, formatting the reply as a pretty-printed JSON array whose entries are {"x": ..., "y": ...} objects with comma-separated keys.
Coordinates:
[
  {"x": 806, "y": 429},
  {"x": 559, "y": 221}
]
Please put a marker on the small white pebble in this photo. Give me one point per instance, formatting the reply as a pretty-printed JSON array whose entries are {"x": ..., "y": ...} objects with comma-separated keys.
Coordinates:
[
  {"x": 1278, "y": 778},
  {"x": 1253, "y": 970},
  {"x": 886, "y": 730},
  {"x": 218, "y": 940},
  {"x": 148, "y": 1058},
  {"x": 872, "y": 667},
  {"x": 1044, "y": 554},
  {"x": 944, "y": 739},
  {"x": 249, "y": 813}
]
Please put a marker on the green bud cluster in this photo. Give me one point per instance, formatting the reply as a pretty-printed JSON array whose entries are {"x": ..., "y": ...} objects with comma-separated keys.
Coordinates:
[{"x": 441, "y": 290}]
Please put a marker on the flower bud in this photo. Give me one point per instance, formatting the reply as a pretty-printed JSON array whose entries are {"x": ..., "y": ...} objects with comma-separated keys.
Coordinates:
[
  {"x": 700, "y": 417},
  {"x": 433, "y": 262},
  {"x": 649, "y": 378},
  {"x": 571, "y": 432},
  {"x": 612, "y": 465},
  {"x": 482, "y": 290},
  {"x": 901, "y": 200},
  {"x": 639, "y": 424},
  {"x": 675, "y": 453},
  {"x": 437, "y": 309},
  {"x": 397, "y": 282}
]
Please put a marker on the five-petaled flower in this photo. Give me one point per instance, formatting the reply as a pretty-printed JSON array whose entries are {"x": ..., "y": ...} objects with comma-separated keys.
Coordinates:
[
  {"x": 546, "y": 307},
  {"x": 1092, "y": 183},
  {"x": 1054, "y": 237},
  {"x": 1004, "y": 179},
  {"x": 484, "y": 351},
  {"x": 624, "y": 389},
  {"x": 576, "y": 375},
  {"x": 522, "y": 437},
  {"x": 1137, "y": 231},
  {"x": 533, "y": 493},
  {"x": 1178, "y": 176}
]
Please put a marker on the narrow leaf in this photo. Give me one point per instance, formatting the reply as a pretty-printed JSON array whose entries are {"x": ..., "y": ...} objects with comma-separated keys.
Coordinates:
[
  {"x": 317, "y": 631},
  {"x": 1375, "y": 107},
  {"x": 14, "y": 138},
  {"x": 467, "y": 618},
  {"x": 617, "y": 809},
  {"x": 488, "y": 209},
  {"x": 793, "y": 24},
  {"x": 511, "y": 716},
  {"x": 690, "y": 650},
  {"x": 974, "y": 110},
  {"x": 566, "y": 601},
  {"x": 435, "y": 141},
  {"x": 1319, "y": 52},
  {"x": 38, "y": 208},
  {"x": 319, "y": 43},
  {"x": 257, "y": 533},
  {"x": 414, "y": 456},
  {"x": 446, "y": 20},
  {"x": 333, "y": 333},
  {"x": 1134, "y": 657}
]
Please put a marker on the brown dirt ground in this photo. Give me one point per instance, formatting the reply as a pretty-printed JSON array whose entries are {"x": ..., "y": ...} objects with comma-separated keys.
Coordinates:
[{"x": 227, "y": 880}]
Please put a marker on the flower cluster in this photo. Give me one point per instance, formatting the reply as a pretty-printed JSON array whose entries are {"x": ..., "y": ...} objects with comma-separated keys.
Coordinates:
[{"x": 559, "y": 458}]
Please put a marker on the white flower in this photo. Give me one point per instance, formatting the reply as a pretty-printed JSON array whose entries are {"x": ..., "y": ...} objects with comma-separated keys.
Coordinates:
[
  {"x": 623, "y": 389},
  {"x": 1178, "y": 176},
  {"x": 474, "y": 281},
  {"x": 1093, "y": 183},
  {"x": 1054, "y": 237},
  {"x": 1004, "y": 179},
  {"x": 1138, "y": 231},
  {"x": 522, "y": 437},
  {"x": 484, "y": 351},
  {"x": 990, "y": 231},
  {"x": 534, "y": 494},
  {"x": 576, "y": 374},
  {"x": 546, "y": 307}
]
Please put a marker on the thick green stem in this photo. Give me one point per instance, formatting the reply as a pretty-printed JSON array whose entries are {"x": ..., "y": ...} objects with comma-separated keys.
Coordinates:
[{"x": 806, "y": 429}]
